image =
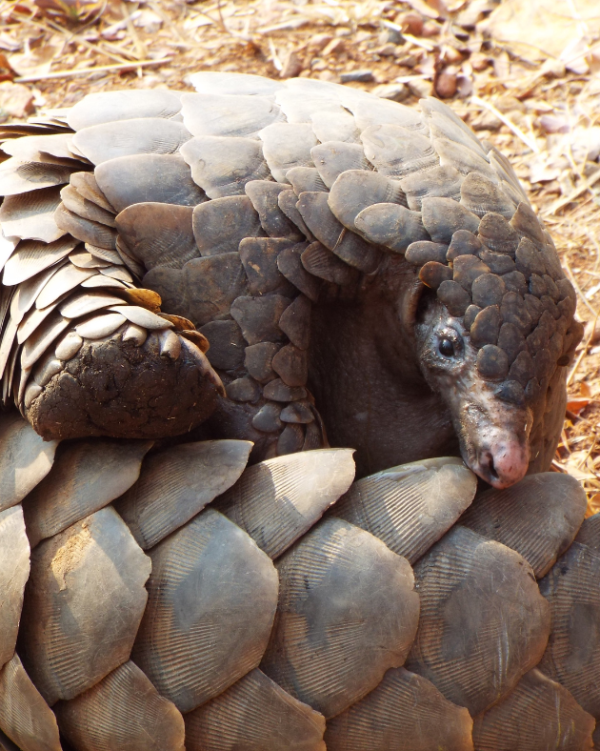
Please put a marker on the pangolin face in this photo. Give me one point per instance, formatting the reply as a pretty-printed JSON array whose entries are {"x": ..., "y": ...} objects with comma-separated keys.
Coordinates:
[{"x": 493, "y": 433}]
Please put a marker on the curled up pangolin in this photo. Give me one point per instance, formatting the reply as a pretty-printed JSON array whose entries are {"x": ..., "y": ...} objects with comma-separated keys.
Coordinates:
[{"x": 250, "y": 274}]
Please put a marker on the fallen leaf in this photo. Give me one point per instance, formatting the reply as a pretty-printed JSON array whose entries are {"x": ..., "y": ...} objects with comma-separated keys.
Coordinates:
[
  {"x": 16, "y": 100},
  {"x": 576, "y": 405}
]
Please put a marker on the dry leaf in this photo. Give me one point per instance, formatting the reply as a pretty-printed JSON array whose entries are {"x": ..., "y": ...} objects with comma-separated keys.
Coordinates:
[
  {"x": 593, "y": 506},
  {"x": 576, "y": 405}
]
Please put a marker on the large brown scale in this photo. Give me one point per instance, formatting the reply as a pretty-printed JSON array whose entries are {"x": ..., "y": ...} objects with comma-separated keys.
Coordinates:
[{"x": 365, "y": 274}]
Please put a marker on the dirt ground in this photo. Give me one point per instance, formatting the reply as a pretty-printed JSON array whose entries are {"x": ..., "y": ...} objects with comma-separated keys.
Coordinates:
[{"x": 524, "y": 77}]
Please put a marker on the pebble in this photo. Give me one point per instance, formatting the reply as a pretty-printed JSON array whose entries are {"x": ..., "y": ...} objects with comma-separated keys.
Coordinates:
[
  {"x": 361, "y": 76},
  {"x": 412, "y": 23},
  {"x": 292, "y": 66},
  {"x": 421, "y": 88},
  {"x": 396, "y": 92},
  {"x": 445, "y": 84},
  {"x": 390, "y": 36}
]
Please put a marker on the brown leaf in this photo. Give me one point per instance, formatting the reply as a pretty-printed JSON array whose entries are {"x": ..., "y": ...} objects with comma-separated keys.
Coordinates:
[{"x": 576, "y": 405}]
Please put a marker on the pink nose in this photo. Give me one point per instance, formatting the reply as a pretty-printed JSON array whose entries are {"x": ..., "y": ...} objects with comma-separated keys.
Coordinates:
[{"x": 503, "y": 464}]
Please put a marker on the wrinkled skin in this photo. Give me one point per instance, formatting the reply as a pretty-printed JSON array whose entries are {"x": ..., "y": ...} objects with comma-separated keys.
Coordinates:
[
  {"x": 493, "y": 435},
  {"x": 384, "y": 385}
]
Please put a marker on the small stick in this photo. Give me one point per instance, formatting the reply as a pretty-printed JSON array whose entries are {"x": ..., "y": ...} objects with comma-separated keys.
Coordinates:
[
  {"x": 562, "y": 202},
  {"x": 516, "y": 130},
  {"x": 96, "y": 69}
]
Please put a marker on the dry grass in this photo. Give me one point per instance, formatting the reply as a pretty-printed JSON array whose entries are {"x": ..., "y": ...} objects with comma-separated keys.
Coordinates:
[{"x": 542, "y": 115}]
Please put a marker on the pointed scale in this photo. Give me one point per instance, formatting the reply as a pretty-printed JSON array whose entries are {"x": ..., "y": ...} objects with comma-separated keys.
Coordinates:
[
  {"x": 177, "y": 483},
  {"x": 40, "y": 339},
  {"x": 32, "y": 257},
  {"x": 86, "y": 230},
  {"x": 254, "y": 713},
  {"x": 280, "y": 499},
  {"x": 404, "y": 713},
  {"x": 87, "y": 475},
  {"x": 483, "y": 623},
  {"x": 411, "y": 506},
  {"x": 24, "y": 715},
  {"x": 18, "y": 176},
  {"x": 86, "y": 588},
  {"x": 66, "y": 279},
  {"x": 25, "y": 459},
  {"x": 86, "y": 185},
  {"x": 84, "y": 208},
  {"x": 347, "y": 612},
  {"x": 27, "y": 292},
  {"x": 30, "y": 216},
  {"x": 56, "y": 145},
  {"x": 122, "y": 711},
  {"x": 538, "y": 517},
  {"x": 212, "y": 599},
  {"x": 538, "y": 715},
  {"x": 14, "y": 572},
  {"x": 30, "y": 329}
]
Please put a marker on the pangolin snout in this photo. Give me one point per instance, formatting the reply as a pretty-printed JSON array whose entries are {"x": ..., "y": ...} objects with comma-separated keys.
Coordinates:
[{"x": 502, "y": 462}]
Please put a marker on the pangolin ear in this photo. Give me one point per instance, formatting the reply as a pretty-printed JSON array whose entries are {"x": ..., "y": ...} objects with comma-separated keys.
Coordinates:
[{"x": 410, "y": 303}]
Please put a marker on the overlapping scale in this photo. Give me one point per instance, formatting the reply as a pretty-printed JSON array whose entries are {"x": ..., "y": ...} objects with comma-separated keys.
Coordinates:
[
  {"x": 538, "y": 715},
  {"x": 147, "y": 178},
  {"x": 254, "y": 713},
  {"x": 86, "y": 476},
  {"x": 86, "y": 589},
  {"x": 122, "y": 711},
  {"x": 212, "y": 599},
  {"x": 226, "y": 115},
  {"x": 177, "y": 483},
  {"x": 411, "y": 506},
  {"x": 30, "y": 216},
  {"x": 483, "y": 621},
  {"x": 115, "y": 106},
  {"x": 347, "y": 612},
  {"x": 24, "y": 715},
  {"x": 538, "y": 517},
  {"x": 14, "y": 572},
  {"x": 110, "y": 140},
  {"x": 278, "y": 500},
  {"x": 32, "y": 257},
  {"x": 404, "y": 713},
  {"x": 25, "y": 459},
  {"x": 572, "y": 588}
]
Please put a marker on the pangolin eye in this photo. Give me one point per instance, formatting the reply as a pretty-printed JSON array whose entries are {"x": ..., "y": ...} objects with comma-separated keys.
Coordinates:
[{"x": 446, "y": 347}]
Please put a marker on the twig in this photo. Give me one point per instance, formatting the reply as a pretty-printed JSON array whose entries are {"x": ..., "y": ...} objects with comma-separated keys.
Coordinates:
[
  {"x": 140, "y": 47},
  {"x": 96, "y": 69},
  {"x": 589, "y": 453},
  {"x": 583, "y": 353},
  {"x": 587, "y": 184},
  {"x": 72, "y": 38},
  {"x": 582, "y": 297},
  {"x": 516, "y": 130}
]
